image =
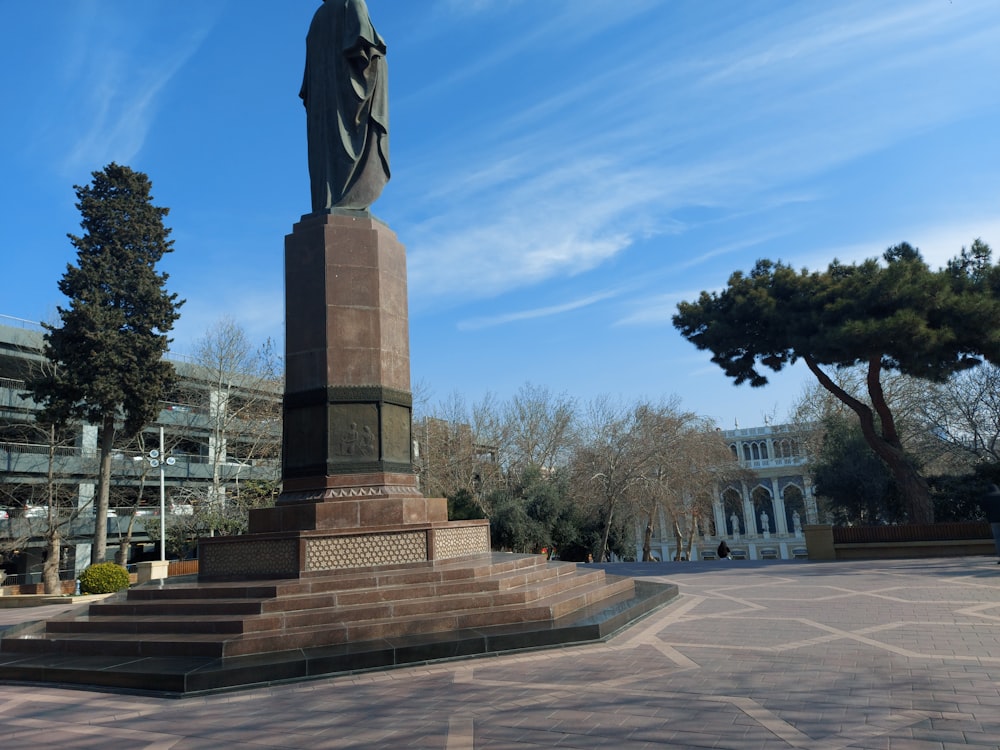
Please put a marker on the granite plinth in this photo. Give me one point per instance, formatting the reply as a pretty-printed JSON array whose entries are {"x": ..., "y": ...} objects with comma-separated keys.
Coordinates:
[{"x": 347, "y": 407}]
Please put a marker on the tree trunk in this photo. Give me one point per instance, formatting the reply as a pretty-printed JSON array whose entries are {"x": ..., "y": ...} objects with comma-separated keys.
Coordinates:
[
  {"x": 692, "y": 533},
  {"x": 125, "y": 543},
  {"x": 100, "y": 545},
  {"x": 603, "y": 555},
  {"x": 886, "y": 446},
  {"x": 50, "y": 568},
  {"x": 647, "y": 540},
  {"x": 679, "y": 540}
]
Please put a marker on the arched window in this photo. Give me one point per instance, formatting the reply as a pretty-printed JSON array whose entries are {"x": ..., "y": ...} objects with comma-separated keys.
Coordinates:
[{"x": 786, "y": 448}]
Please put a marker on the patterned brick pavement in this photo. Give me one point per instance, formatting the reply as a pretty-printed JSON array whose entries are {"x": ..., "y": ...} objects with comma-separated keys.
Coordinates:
[{"x": 894, "y": 655}]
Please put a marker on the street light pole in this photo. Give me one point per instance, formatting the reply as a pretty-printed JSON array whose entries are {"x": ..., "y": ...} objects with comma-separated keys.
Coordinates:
[{"x": 157, "y": 460}]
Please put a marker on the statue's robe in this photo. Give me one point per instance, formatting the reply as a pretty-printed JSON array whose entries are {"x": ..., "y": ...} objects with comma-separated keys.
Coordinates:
[{"x": 344, "y": 90}]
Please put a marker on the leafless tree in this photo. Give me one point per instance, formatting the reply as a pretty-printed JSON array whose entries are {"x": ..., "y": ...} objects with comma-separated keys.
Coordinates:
[
  {"x": 492, "y": 444},
  {"x": 964, "y": 414},
  {"x": 613, "y": 461},
  {"x": 536, "y": 430},
  {"x": 695, "y": 460},
  {"x": 233, "y": 390},
  {"x": 934, "y": 421},
  {"x": 452, "y": 455},
  {"x": 49, "y": 507}
]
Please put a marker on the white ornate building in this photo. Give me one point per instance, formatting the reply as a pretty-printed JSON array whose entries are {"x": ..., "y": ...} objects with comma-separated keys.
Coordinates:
[{"x": 761, "y": 518}]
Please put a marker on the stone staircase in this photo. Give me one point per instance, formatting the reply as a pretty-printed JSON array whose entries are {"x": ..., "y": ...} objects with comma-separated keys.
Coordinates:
[{"x": 186, "y": 636}]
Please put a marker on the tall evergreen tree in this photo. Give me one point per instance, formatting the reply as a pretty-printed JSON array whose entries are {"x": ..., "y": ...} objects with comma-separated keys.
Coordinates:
[{"x": 109, "y": 348}]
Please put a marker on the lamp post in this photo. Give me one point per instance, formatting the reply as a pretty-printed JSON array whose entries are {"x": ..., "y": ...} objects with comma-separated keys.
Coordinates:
[{"x": 157, "y": 460}]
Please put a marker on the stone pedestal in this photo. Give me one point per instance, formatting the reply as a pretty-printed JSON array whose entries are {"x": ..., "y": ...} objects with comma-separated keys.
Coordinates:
[
  {"x": 350, "y": 495},
  {"x": 151, "y": 570}
]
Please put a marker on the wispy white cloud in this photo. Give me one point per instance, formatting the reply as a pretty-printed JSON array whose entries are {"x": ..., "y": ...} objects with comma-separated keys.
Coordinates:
[
  {"x": 563, "y": 22},
  {"x": 656, "y": 310},
  {"x": 937, "y": 243},
  {"x": 737, "y": 129},
  {"x": 259, "y": 309},
  {"x": 117, "y": 85},
  {"x": 472, "y": 7},
  {"x": 541, "y": 312},
  {"x": 562, "y": 222}
]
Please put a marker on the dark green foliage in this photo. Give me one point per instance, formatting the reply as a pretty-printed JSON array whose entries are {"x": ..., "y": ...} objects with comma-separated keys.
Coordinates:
[
  {"x": 958, "y": 498},
  {"x": 537, "y": 514},
  {"x": 914, "y": 320},
  {"x": 588, "y": 535},
  {"x": 103, "y": 578},
  {"x": 109, "y": 349},
  {"x": 896, "y": 315},
  {"x": 106, "y": 359},
  {"x": 462, "y": 506},
  {"x": 512, "y": 527},
  {"x": 856, "y": 484},
  {"x": 541, "y": 514}
]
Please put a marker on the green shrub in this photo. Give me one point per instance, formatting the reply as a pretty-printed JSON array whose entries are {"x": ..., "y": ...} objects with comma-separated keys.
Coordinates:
[{"x": 103, "y": 578}]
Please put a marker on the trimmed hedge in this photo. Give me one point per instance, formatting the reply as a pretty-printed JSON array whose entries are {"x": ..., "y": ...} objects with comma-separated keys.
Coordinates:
[{"x": 103, "y": 578}]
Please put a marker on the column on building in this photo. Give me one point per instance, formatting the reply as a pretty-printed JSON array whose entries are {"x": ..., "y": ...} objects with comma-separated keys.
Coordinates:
[
  {"x": 86, "y": 441},
  {"x": 218, "y": 402},
  {"x": 809, "y": 498},
  {"x": 719, "y": 512},
  {"x": 749, "y": 519}
]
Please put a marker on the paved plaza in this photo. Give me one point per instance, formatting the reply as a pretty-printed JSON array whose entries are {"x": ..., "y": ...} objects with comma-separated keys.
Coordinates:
[{"x": 882, "y": 654}]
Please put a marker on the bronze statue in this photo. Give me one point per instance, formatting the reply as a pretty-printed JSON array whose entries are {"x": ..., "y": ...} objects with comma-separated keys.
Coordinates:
[{"x": 345, "y": 93}]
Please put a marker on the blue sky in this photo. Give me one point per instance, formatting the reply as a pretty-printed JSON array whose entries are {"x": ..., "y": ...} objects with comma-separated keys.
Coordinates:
[{"x": 564, "y": 171}]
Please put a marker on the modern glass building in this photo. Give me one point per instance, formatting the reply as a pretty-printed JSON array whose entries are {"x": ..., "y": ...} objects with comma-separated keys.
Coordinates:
[{"x": 222, "y": 429}]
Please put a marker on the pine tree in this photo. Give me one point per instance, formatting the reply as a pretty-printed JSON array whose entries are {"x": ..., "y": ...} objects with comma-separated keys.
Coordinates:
[
  {"x": 894, "y": 316},
  {"x": 109, "y": 349}
]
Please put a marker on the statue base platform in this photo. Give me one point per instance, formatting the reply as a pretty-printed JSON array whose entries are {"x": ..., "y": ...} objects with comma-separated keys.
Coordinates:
[{"x": 297, "y": 553}]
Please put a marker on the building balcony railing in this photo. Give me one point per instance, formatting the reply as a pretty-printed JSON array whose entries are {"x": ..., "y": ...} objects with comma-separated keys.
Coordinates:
[
  {"x": 33, "y": 459},
  {"x": 82, "y": 526},
  {"x": 772, "y": 463}
]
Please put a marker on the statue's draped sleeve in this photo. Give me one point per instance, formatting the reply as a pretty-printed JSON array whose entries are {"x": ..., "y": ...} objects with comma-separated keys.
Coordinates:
[{"x": 345, "y": 93}]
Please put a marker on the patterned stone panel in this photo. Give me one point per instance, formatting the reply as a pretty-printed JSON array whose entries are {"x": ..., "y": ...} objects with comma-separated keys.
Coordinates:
[
  {"x": 462, "y": 540},
  {"x": 264, "y": 557},
  {"x": 330, "y": 553}
]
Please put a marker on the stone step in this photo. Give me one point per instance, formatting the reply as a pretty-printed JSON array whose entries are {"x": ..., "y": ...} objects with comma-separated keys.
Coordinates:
[
  {"x": 363, "y": 624},
  {"x": 134, "y": 645},
  {"x": 149, "y": 624},
  {"x": 507, "y": 581},
  {"x": 499, "y": 567},
  {"x": 305, "y": 612},
  {"x": 232, "y": 599},
  {"x": 177, "y": 607},
  {"x": 202, "y": 653}
]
